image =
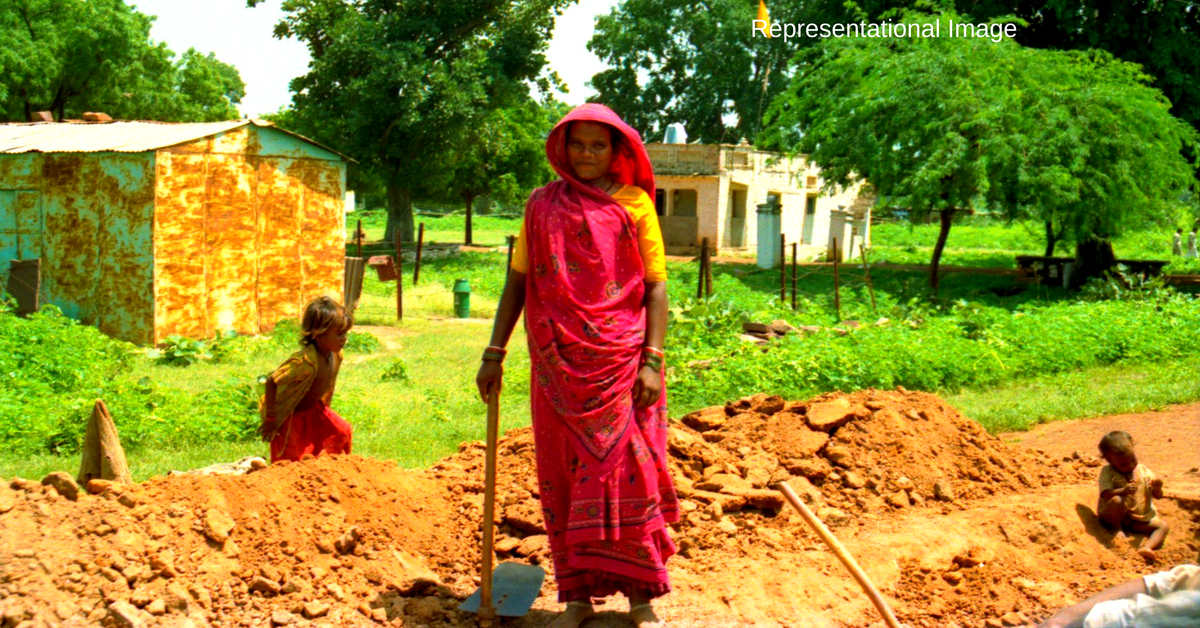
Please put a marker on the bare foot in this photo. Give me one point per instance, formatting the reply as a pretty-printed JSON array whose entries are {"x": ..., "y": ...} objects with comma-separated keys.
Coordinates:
[
  {"x": 575, "y": 614},
  {"x": 643, "y": 616},
  {"x": 1148, "y": 554}
]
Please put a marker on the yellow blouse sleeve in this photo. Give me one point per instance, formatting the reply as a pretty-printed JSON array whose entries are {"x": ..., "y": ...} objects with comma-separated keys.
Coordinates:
[
  {"x": 520, "y": 260},
  {"x": 650, "y": 240}
]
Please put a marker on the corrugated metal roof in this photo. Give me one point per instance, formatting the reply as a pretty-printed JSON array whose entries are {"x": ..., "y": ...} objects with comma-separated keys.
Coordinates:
[{"x": 117, "y": 136}]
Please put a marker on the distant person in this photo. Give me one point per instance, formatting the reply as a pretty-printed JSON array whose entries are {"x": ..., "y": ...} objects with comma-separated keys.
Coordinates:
[
  {"x": 1191, "y": 252},
  {"x": 295, "y": 413},
  {"x": 589, "y": 271},
  {"x": 1127, "y": 494},
  {"x": 1168, "y": 599},
  {"x": 1177, "y": 243}
]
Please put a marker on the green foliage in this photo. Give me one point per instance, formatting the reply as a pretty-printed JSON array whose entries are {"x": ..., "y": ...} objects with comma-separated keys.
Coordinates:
[
  {"x": 72, "y": 56},
  {"x": 362, "y": 342},
  {"x": 180, "y": 351},
  {"x": 396, "y": 371}
]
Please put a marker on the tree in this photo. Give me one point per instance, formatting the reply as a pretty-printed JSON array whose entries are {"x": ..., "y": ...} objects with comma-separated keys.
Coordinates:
[
  {"x": 71, "y": 56},
  {"x": 398, "y": 85},
  {"x": 504, "y": 156},
  {"x": 945, "y": 124}
]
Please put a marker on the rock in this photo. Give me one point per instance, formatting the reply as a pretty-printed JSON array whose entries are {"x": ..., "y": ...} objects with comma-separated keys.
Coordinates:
[
  {"x": 904, "y": 484},
  {"x": 705, "y": 419},
  {"x": 1013, "y": 618},
  {"x": 507, "y": 544},
  {"x": 373, "y": 574},
  {"x": 952, "y": 577},
  {"x": 834, "y": 517},
  {"x": 8, "y": 500},
  {"x": 63, "y": 483},
  {"x": 265, "y": 586},
  {"x": 218, "y": 525},
  {"x": 781, "y": 327},
  {"x": 992, "y": 622},
  {"x": 177, "y": 598},
  {"x": 417, "y": 575},
  {"x": 758, "y": 340},
  {"x": 727, "y": 526},
  {"x": 756, "y": 328},
  {"x": 157, "y": 608},
  {"x": 315, "y": 609},
  {"x": 840, "y": 455},
  {"x": 768, "y": 405},
  {"x": 827, "y": 416},
  {"x": 348, "y": 541},
  {"x": 531, "y": 545},
  {"x": 943, "y": 491},
  {"x": 380, "y": 615},
  {"x": 125, "y": 614},
  {"x": 815, "y": 469},
  {"x": 788, "y": 434},
  {"x": 853, "y": 480},
  {"x": 764, "y": 499},
  {"x": 525, "y": 516},
  {"x": 96, "y": 486},
  {"x": 258, "y": 464},
  {"x": 336, "y": 591},
  {"x": 899, "y": 499},
  {"x": 725, "y": 483},
  {"x": 282, "y": 618},
  {"x": 809, "y": 329},
  {"x": 974, "y": 557},
  {"x": 807, "y": 493},
  {"x": 757, "y": 469},
  {"x": 164, "y": 563}
]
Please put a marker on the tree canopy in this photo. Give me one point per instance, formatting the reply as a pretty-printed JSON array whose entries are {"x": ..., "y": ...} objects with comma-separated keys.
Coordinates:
[
  {"x": 945, "y": 124},
  {"x": 399, "y": 86},
  {"x": 72, "y": 56}
]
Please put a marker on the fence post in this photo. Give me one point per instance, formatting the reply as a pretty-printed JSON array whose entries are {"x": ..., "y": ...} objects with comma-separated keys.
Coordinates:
[
  {"x": 708, "y": 289},
  {"x": 795, "y": 256},
  {"x": 420, "y": 245},
  {"x": 399, "y": 261},
  {"x": 358, "y": 237},
  {"x": 782, "y": 269},
  {"x": 702, "y": 270},
  {"x": 837, "y": 294}
]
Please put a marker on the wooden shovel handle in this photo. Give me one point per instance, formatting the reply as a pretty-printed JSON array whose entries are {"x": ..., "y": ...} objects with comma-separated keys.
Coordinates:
[
  {"x": 841, "y": 553},
  {"x": 486, "y": 612}
]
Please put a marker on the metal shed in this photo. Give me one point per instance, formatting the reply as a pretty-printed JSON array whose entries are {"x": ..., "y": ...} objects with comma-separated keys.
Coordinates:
[{"x": 149, "y": 229}]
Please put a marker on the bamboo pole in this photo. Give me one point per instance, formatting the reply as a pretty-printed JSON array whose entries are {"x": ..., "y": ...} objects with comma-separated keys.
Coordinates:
[
  {"x": 399, "y": 262},
  {"x": 420, "y": 245},
  {"x": 842, "y": 555},
  {"x": 837, "y": 288},
  {"x": 795, "y": 257}
]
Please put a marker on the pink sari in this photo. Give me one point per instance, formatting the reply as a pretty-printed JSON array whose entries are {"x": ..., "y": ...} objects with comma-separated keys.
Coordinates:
[{"x": 606, "y": 494}]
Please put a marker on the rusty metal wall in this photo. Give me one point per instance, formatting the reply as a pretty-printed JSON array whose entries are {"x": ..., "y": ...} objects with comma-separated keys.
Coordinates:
[
  {"x": 88, "y": 216},
  {"x": 245, "y": 235}
]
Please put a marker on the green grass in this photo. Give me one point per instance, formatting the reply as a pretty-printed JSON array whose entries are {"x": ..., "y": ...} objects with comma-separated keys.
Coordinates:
[
  {"x": 485, "y": 230},
  {"x": 1021, "y": 405}
]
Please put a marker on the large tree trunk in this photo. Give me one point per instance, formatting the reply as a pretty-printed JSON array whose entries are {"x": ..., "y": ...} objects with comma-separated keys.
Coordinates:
[
  {"x": 946, "y": 216},
  {"x": 470, "y": 200},
  {"x": 400, "y": 212},
  {"x": 1093, "y": 257}
]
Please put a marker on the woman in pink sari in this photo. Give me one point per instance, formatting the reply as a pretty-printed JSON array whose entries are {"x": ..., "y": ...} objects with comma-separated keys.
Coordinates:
[{"x": 589, "y": 271}]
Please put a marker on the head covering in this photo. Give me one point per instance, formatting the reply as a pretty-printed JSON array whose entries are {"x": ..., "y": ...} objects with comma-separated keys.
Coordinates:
[{"x": 630, "y": 165}]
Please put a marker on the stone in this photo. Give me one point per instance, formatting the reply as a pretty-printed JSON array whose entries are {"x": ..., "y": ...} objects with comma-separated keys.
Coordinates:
[
  {"x": 1013, "y": 618},
  {"x": 157, "y": 608},
  {"x": 336, "y": 591},
  {"x": 125, "y": 614},
  {"x": 348, "y": 541},
  {"x": 992, "y": 622},
  {"x": 270, "y": 572},
  {"x": 768, "y": 405},
  {"x": 380, "y": 615},
  {"x": 63, "y": 483},
  {"x": 943, "y": 491},
  {"x": 764, "y": 499},
  {"x": 8, "y": 500},
  {"x": 164, "y": 564},
  {"x": 525, "y": 516},
  {"x": 840, "y": 455},
  {"x": 727, "y": 526},
  {"x": 417, "y": 574},
  {"x": 807, "y": 493},
  {"x": 97, "y": 486},
  {"x": 315, "y": 609},
  {"x": 827, "y": 416},
  {"x": 705, "y": 419},
  {"x": 507, "y": 544},
  {"x": 218, "y": 526},
  {"x": 258, "y": 464},
  {"x": 781, "y": 327},
  {"x": 952, "y": 577},
  {"x": 265, "y": 586},
  {"x": 373, "y": 574},
  {"x": 899, "y": 499},
  {"x": 177, "y": 598},
  {"x": 752, "y": 339},
  {"x": 852, "y": 479},
  {"x": 756, "y": 328},
  {"x": 815, "y": 469},
  {"x": 834, "y": 517},
  {"x": 282, "y": 618},
  {"x": 757, "y": 469},
  {"x": 533, "y": 545},
  {"x": 975, "y": 556},
  {"x": 725, "y": 483}
]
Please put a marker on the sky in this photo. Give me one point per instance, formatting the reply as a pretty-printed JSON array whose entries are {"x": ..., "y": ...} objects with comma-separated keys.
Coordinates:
[{"x": 243, "y": 38}]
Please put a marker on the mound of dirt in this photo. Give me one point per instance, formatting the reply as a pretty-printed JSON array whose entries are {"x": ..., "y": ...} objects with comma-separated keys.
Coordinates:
[{"x": 957, "y": 527}]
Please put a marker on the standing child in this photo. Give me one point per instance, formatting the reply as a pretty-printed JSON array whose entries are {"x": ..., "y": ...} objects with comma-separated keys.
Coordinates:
[
  {"x": 1127, "y": 491},
  {"x": 296, "y": 418}
]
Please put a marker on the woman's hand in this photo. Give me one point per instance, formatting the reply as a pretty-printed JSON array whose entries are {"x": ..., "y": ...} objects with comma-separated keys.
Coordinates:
[
  {"x": 647, "y": 388},
  {"x": 490, "y": 377}
]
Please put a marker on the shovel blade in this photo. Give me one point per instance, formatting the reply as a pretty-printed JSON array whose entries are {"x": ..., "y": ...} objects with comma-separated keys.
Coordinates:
[{"x": 514, "y": 588}]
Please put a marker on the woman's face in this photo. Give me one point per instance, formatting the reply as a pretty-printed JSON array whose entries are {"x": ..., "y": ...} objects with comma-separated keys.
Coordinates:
[{"x": 589, "y": 149}]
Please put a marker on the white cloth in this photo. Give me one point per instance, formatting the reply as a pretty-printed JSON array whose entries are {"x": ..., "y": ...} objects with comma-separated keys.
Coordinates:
[
  {"x": 1176, "y": 244},
  {"x": 1191, "y": 252},
  {"x": 1173, "y": 602}
]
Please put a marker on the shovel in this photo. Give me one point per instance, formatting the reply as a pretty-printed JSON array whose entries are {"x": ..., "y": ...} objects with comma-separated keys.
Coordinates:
[{"x": 511, "y": 590}]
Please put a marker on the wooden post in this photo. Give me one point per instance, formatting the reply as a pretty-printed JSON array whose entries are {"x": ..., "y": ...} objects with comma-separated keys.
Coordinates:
[
  {"x": 399, "y": 262},
  {"x": 795, "y": 257},
  {"x": 708, "y": 289},
  {"x": 837, "y": 295},
  {"x": 700, "y": 273},
  {"x": 358, "y": 237},
  {"x": 867, "y": 275},
  {"x": 512, "y": 241},
  {"x": 103, "y": 457},
  {"x": 782, "y": 269},
  {"x": 420, "y": 245}
]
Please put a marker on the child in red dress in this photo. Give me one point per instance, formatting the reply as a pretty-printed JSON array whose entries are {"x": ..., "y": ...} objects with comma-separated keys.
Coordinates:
[{"x": 295, "y": 413}]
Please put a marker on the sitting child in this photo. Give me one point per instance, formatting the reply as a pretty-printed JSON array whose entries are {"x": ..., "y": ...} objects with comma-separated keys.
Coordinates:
[
  {"x": 295, "y": 413},
  {"x": 1127, "y": 491}
]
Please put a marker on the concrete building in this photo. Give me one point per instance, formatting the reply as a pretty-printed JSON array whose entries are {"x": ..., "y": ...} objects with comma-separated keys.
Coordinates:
[
  {"x": 712, "y": 191},
  {"x": 148, "y": 230}
]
